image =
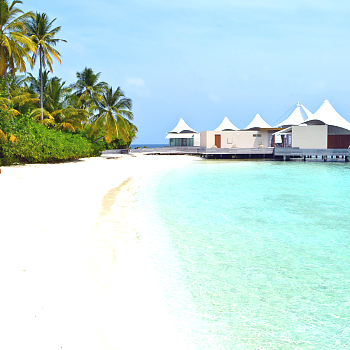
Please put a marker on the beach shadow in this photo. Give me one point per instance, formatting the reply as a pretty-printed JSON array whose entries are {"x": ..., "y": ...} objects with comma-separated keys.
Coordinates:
[{"x": 109, "y": 198}]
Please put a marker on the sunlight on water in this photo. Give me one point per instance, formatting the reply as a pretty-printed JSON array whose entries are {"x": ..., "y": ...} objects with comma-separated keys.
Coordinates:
[{"x": 262, "y": 252}]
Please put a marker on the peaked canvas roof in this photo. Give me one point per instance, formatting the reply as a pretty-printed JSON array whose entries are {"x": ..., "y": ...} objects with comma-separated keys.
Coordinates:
[
  {"x": 297, "y": 116},
  {"x": 181, "y": 127},
  {"x": 226, "y": 125},
  {"x": 257, "y": 123},
  {"x": 329, "y": 116}
]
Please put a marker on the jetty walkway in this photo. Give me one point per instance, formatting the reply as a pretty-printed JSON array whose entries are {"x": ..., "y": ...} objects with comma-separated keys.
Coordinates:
[{"x": 276, "y": 153}]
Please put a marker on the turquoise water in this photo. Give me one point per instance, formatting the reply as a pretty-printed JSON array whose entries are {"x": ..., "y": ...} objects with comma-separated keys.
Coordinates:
[{"x": 255, "y": 255}]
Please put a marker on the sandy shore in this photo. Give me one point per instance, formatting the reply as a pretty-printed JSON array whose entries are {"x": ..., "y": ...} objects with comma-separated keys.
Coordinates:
[{"x": 74, "y": 272}]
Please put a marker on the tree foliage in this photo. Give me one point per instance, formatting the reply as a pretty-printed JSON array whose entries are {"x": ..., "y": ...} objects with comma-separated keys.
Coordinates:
[
  {"x": 23, "y": 140},
  {"x": 43, "y": 119},
  {"x": 14, "y": 44},
  {"x": 41, "y": 32},
  {"x": 113, "y": 114},
  {"x": 87, "y": 87}
]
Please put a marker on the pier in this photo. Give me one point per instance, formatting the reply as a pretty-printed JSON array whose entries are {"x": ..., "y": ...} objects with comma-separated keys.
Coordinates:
[
  {"x": 276, "y": 153},
  {"x": 290, "y": 153}
]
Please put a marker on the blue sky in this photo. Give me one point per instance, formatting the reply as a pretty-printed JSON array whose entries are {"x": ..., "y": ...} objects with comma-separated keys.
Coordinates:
[{"x": 203, "y": 60}]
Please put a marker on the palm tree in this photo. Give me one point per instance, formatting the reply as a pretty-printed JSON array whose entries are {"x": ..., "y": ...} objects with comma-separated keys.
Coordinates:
[
  {"x": 87, "y": 86},
  {"x": 35, "y": 83},
  {"x": 21, "y": 98},
  {"x": 14, "y": 44},
  {"x": 57, "y": 107},
  {"x": 40, "y": 31},
  {"x": 114, "y": 115},
  {"x": 57, "y": 97}
]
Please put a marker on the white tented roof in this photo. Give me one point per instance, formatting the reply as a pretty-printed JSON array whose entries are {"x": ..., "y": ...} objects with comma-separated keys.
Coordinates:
[
  {"x": 182, "y": 127},
  {"x": 226, "y": 125},
  {"x": 257, "y": 123},
  {"x": 329, "y": 116},
  {"x": 297, "y": 116}
]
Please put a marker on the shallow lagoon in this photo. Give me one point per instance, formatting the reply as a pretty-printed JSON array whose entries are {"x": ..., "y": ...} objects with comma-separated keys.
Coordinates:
[{"x": 253, "y": 254}]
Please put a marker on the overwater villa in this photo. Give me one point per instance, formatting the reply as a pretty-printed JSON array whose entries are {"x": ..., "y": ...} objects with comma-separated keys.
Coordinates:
[
  {"x": 257, "y": 134},
  {"x": 183, "y": 136},
  {"x": 298, "y": 115},
  {"x": 302, "y": 134},
  {"x": 325, "y": 129}
]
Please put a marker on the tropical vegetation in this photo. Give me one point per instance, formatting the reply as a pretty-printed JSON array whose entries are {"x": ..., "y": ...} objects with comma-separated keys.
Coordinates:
[{"x": 42, "y": 118}]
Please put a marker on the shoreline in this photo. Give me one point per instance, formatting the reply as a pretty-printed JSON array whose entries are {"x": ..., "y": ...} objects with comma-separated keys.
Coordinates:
[{"x": 75, "y": 275}]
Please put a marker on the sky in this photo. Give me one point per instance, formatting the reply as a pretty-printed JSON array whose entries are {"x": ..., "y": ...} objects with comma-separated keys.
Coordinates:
[{"x": 203, "y": 60}]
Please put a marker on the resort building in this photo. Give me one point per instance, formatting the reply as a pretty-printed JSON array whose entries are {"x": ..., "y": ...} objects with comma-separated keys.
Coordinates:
[
  {"x": 300, "y": 132},
  {"x": 298, "y": 115},
  {"x": 258, "y": 134},
  {"x": 325, "y": 129},
  {"x": 183, "y": 136}
]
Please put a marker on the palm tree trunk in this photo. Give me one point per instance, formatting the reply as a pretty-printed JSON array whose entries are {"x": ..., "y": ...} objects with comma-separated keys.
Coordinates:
[
  {"x": 98, "y": 139},
  {"x": 7, "y": 83},
  {"x": 41, "y": 85}
]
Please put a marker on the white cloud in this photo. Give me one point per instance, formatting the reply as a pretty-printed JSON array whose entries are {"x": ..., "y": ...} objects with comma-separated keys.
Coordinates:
[
  {"x": 138, "y": 82},
  {"x": 214, "y": 97},
  {"x": 138, "y": 87}
]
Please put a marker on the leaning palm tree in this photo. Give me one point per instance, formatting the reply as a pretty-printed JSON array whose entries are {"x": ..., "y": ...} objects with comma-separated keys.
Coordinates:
[
  {"x": 113, "y": 115},
  {"x": 87, "y": 86},
  {"x": 14, "y": 44},
  {"x": 40, "y": 31}
]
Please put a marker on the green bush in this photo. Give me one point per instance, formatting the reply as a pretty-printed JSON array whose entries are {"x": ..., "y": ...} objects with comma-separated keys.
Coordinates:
[
  {"x": 34, "y": 143},
  {"x": 99, "y": 143}
]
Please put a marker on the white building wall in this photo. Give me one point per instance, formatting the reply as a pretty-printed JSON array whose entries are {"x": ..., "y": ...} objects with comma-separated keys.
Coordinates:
[
  {"x": 241, "y": 139},
  {"x": 310, "y": 136},
  {"x": 196, "y": 140},
  {"x": 203, "y": 138}
]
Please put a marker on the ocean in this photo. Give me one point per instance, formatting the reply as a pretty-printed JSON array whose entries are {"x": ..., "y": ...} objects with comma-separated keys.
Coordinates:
[
  {"x": 148, "y": 145},
  {"x": 252, "y": 254}
]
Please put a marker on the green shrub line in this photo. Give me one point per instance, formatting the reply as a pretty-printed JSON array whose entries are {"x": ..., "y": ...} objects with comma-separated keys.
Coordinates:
[{"x": 35, "y": 143}]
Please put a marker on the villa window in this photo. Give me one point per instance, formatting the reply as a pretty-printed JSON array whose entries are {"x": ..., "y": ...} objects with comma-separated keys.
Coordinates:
[{"x": 181, "y": 142}]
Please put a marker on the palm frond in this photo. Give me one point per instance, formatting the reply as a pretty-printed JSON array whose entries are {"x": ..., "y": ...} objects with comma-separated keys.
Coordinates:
[
  {"x": 114, "y": 119},
  {"x": 3, "y": 137}
]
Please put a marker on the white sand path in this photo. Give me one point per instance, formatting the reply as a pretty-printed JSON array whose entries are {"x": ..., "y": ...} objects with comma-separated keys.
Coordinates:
[{"x": 73, "y": 276}]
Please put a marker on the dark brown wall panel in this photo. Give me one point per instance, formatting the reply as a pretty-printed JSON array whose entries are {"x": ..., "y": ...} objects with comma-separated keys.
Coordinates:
[{"x": 338, "y": 141}]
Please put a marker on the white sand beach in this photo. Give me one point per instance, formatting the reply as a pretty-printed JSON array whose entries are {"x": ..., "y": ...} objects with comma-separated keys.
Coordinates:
[{"x": 74, "y": 274}]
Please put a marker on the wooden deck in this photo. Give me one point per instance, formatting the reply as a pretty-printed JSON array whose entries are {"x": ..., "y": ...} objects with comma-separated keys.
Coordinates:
[
  {"x": 228, "y": 153},
  {"x": 160, "y": 150},
  {"x": 287, "y": 153},
  {"x": 277, "y": 153}
]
